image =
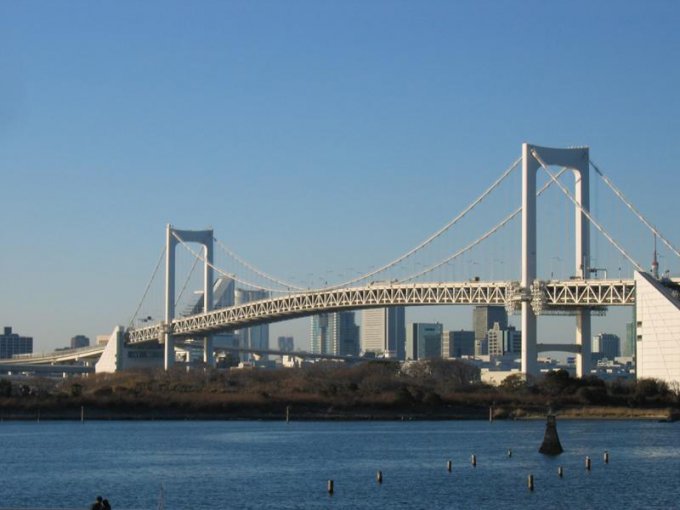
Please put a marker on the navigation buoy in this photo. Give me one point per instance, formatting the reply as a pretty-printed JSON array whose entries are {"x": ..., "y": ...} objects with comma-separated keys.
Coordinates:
[{"x": 551, "y": 441}]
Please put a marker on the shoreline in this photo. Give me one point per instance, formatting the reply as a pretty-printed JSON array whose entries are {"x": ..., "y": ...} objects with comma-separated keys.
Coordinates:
[{"x": 518, "y": 414}]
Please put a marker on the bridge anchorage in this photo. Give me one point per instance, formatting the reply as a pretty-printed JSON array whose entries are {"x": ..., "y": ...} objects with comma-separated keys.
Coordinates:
[{"x": 580, "y": 296}]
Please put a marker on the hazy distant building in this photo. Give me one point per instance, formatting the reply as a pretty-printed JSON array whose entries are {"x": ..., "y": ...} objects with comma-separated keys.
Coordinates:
[
  {"x": 383, "y": 331},
  {"x": 483, "y": 319},
  {"x": 79, "y": 341},
  {"x": 423, "y": 340},
  {"x": 335, "y": 333},
  {"x": 512, "y": 341},
  {"x": 456, "y": 344},
  {"x": 504, "y": 341},
  {"x": 606, "y": 345},
  {"x": 286, "y": 343},
  {"x": 11, "y": 344},
  {"x": 255, "y": 337}
]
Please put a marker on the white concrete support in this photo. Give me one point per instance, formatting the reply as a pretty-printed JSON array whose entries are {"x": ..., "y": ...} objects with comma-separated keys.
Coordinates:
[
  {"x": 170, "y": 244},
  {"x": 204, "y": 237},
  {"x": 529, "y": 333},
  {"x": 576, "y": 159}
]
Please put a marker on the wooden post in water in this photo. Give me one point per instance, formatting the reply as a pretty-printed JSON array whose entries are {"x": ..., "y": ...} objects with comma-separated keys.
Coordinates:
[
  {"x": 82, "y": 414},
  {"x": 330, "y": 487},
  {"x": 287, "y": 414},
  {"x": 606, "y": 457},
  {"x": 378, "y": 477},
  {"x": 530, "y": 482},
  {"x": 588, "y": 463},
  {"x": 491, "y": 413},
  {"x": 448, "y": 466},
  {"x": 509, "y": 452},
  {"x": 473, "y": 460},
  {"x": 551, "y": 441},
  {"x": 560, "y": 471}
]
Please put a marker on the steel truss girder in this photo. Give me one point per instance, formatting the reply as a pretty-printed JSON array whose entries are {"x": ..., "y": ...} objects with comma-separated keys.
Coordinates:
[{"x": 558, "y": 295}]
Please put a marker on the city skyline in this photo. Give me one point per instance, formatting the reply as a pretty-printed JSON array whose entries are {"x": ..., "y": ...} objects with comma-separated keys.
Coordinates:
[{"x": 310, "y": 160}]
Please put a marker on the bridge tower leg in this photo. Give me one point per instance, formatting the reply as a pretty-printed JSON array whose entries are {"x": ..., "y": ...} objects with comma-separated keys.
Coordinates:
[
  {"x": 173, "y": 236},
  {"x": 576, "y": 159}
]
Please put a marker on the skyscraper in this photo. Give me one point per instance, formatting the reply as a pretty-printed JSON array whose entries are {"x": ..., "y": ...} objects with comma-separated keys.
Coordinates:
[
  {"x": 606, "y": 345},
  {"x": 458, "y": 343},
  {"x": 335, "y": 333},
  {"x": 423, "y": 340},
  {"x": 483, "y": 319},
  {"x": 383, "y": 331}
]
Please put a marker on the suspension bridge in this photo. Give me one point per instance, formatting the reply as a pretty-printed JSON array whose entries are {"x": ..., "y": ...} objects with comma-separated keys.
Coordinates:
[{"x": 581, "y": 295}]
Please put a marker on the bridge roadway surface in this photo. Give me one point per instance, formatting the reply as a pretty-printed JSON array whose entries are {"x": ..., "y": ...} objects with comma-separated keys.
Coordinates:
[{"x": 544, "y": 296}]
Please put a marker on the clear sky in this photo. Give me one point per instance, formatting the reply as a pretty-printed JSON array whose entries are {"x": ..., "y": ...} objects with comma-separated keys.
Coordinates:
[{"x": 318, "y": 139}]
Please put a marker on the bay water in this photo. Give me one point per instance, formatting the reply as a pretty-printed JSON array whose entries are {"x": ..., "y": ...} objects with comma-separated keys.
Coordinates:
[{"x": 193, "y": 465}]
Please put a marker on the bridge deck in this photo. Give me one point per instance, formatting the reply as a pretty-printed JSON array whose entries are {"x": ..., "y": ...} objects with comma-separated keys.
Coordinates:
[{"x": 543, "y": 296}]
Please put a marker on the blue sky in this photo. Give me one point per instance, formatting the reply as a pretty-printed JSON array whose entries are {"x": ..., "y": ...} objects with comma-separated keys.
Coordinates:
[{"x": 316, "y": 138}]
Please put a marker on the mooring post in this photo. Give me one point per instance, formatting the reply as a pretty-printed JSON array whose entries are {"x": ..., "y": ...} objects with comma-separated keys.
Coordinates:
[
  {"x": 378, "y": 476},
  {"x": 330, "y": 487},
  {"x": 448, "y": 466},
  {"x": 473, "y": 460},
  {"x": 530, "y": 482}
]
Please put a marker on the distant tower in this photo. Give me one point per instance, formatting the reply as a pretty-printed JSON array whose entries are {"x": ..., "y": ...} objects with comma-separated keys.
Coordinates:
[
  {"x": 655, "y": 262},
  {"x": 383, "y": 331}
]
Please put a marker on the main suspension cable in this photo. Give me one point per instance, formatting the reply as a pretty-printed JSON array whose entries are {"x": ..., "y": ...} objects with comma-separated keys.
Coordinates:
[
  {"x": 224, "y": 273},
  {"x": 435, "y": 235},
  {"x": 484, "y": 236},
  {"x": 586, "y": 214},
  {"x": 146, "y": 290},
  {"x": 186, "y": 282},
  {"x": 634, "y": 209},
  {"x": 254, "y": 269}
]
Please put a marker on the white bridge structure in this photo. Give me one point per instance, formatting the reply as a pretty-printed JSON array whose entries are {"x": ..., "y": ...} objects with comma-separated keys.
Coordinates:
[{"x": 580, "y": 296}]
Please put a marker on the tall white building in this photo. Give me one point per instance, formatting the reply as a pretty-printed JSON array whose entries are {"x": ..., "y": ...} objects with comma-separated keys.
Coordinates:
[
  {"x": 657, "y": 310},
  {"x": 383, "y": 331}
]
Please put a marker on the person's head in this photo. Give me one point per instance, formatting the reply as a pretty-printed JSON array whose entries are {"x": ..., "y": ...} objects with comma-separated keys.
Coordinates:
[{"x": 99, "y": 499}]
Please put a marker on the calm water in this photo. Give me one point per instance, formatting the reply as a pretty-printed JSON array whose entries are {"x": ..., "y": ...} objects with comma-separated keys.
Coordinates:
[{"x": 274, "y": 465}]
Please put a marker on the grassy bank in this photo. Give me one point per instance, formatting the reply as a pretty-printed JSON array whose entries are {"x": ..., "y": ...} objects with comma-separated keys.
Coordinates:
[{"x": 374, "y": 390}]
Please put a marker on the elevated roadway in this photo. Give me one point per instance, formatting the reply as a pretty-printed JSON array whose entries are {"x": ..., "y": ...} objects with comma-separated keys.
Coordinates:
[{"x": 544, "y": 296}]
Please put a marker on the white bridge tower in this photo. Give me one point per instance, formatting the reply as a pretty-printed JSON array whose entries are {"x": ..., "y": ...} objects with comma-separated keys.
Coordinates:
[
  {"x": 576, "y": 159},
  {"x": 174, "y": 236}
]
